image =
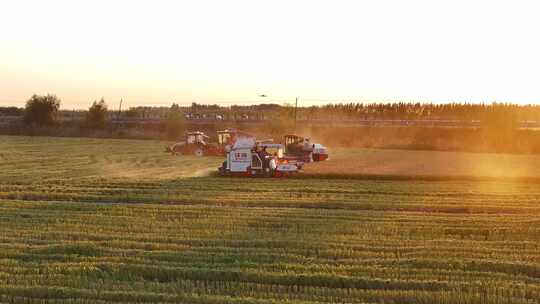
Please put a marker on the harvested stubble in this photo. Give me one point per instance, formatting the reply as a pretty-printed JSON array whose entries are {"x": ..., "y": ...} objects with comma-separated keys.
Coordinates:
[
  {"x": 357, "y": 162},
  {"x": 86, "y": 235}
]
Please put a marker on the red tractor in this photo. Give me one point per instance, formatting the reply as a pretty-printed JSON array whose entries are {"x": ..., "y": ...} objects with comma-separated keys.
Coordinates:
[{"x": 196, "y": 143}]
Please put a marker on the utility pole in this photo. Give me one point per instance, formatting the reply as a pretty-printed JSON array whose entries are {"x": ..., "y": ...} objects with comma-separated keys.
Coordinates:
[
  {"x": 295, "y": 109},
  {"x": 120, "y": 108}
]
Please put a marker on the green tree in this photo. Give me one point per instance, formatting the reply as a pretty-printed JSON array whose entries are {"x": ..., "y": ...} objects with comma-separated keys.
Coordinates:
[
  {"x": 97, "y": 114},
  {"x": 175, "y": 122},
  {"x": 41, "y": 110}
]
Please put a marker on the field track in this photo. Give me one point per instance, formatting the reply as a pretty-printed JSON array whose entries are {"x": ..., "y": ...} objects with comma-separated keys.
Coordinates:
[{"x": 92, "y": 220}]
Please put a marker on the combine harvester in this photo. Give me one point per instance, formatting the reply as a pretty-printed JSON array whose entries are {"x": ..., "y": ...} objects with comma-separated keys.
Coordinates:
[
  {"x": 248, "y": 157},
  {"x": 196, "y": 143},
  {"x": 302, "y": 149}
]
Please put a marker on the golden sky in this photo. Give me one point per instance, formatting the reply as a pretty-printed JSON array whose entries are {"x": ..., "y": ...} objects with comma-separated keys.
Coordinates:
[{"x": 159, "y": 52}]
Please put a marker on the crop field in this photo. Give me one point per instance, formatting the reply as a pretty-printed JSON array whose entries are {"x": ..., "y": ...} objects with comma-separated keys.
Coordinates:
[
  {"x": 119, "y": 221},
  {"x": 427, "y": 163}
]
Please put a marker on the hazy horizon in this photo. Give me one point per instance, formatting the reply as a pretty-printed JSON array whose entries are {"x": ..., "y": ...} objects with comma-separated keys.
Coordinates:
[
  {"x": 115, "y": 104},
  {"x": 213, "y": 52}
]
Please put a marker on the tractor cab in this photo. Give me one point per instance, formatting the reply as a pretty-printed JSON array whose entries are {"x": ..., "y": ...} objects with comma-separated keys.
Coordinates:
[
  {"x": 229, "y": 137},
  {"x": 301, "y": 148},
  {"x": 196, "y": 137},
  {"x": 292, "y": 139},
  {"x": 270, "y": 149},
  {"x": 297, "y": 144},
  {"x": 226, "y": 137}
]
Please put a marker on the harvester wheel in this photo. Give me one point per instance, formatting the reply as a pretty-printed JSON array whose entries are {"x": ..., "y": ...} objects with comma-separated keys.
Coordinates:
[
  {"x": 199, "y": 152},
  {"x": 222, "y": 171}
]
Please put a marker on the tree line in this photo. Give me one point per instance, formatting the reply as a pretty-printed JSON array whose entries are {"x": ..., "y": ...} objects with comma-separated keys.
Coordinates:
[
  {"x": 42, "y": 110},
  {"x": 361, "y": 111},
  {"x": 417, "y": 111},
  {"x": 499, "y": 123}
]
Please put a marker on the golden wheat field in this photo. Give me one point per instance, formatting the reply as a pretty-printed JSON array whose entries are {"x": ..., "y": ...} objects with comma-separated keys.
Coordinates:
[{"x": 119, "y": 221}]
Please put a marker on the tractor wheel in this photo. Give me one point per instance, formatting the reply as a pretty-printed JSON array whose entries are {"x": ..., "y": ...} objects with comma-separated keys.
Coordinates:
[
  {"x": 222, "y": 171},
  {"x": 199, "y": 152}
]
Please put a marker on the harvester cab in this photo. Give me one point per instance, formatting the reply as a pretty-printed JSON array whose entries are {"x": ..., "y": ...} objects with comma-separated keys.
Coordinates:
[
  {"x": 297, "y": 144},
  {"x": 301, "y": 148},
  {"x": 226, "y": 139},
  {"x": 196, "y": 137}
]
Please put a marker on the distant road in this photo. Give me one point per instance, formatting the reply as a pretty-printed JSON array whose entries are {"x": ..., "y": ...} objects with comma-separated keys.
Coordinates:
[
  {"x": 341, "y": 122},
  {"x": 437, "y": 123}
]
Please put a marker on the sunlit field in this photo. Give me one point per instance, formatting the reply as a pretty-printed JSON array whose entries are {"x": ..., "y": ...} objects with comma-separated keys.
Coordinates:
[
  {"x": 98, "y": 220},
  {"x": 430, "y": 164}
]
